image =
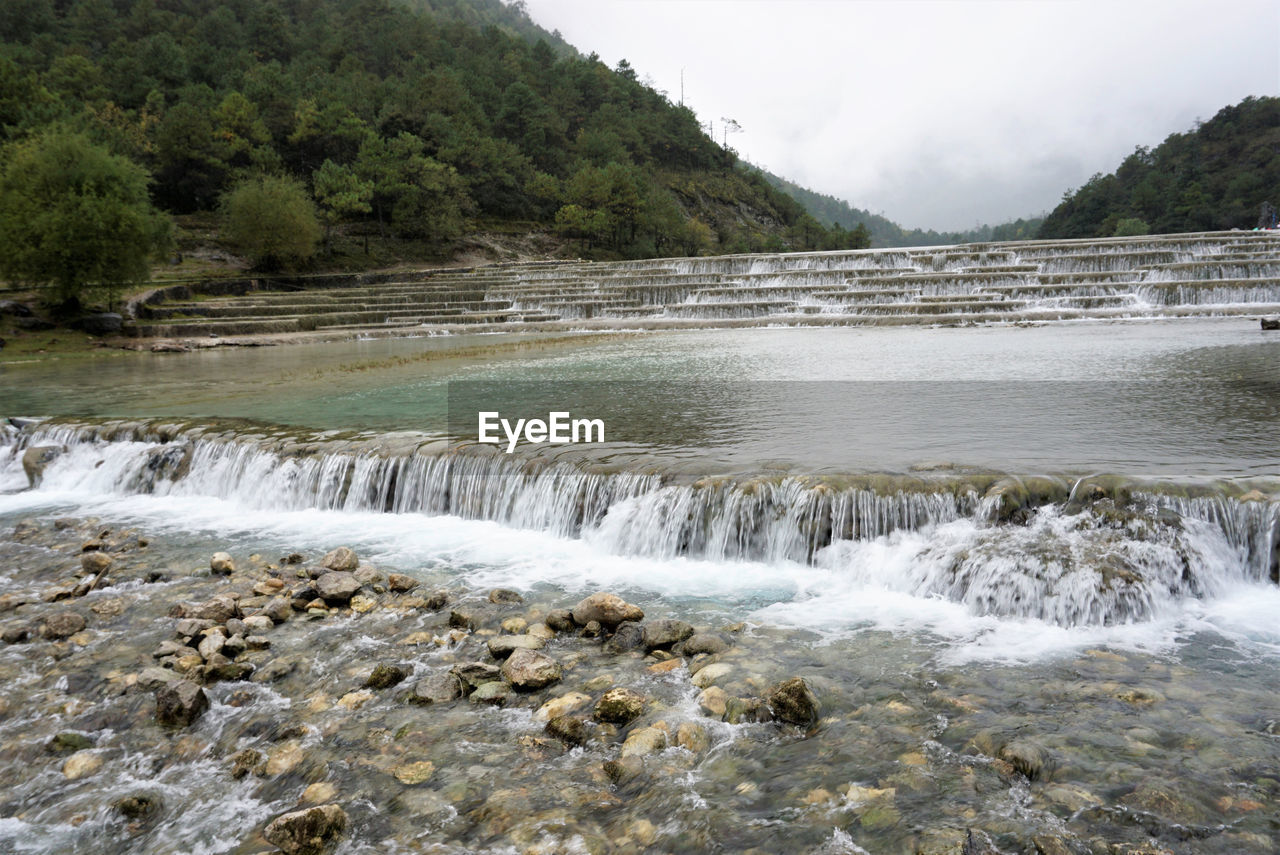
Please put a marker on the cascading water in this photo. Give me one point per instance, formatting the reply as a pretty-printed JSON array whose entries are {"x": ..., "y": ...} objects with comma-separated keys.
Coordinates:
[{"x": 1090, "y": 566}]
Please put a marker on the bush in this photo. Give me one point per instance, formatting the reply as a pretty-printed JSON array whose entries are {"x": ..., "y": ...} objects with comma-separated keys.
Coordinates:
[
  {"x": 1132, "y": 227},
  {"x": 272, "y": 221}
]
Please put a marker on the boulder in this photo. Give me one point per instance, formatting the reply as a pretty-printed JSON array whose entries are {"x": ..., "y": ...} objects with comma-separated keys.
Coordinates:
[
  {"x": 337, "y": 586},
  {"x": 529, "y": 670},
  {"x": 628, "y": 636},
  {"x": 341, "y": 558},
  {"x": 607, "y": 609},
  {"x": 664, "y": 634},
  {"x": 307, "y": 832},
  {"x": 472, "y": 675},
  {"x": 569, "y": 729},
  {"x": 35, "y": 459},
  {"x": 494, "y": 694},
  {"x": 704, "y": 642},
  {"x": 561, "y": 620},
  {"x": 62, "y": 625},
  {"x": 1028, "y": 757},
  {"x": 620, "y": 706},
  {"x": 645, "y": 740},
  {"x": 1271, "y": 323},
  {"x": 563, "y": 705},
  {"x": 385, "y": 676},
  {"x": 505, "y": 595},
  {"x": 502, "y": 646},
  {"x": 439, "y": 688},
  {"x": 94, "y": 563},
  {"x": 82, "y": 764},
  {"x": 219, "y": 609},
  {"x": 179, "y": 703},
  {"x": 221, "y": 564},
  {"x": 399, "y": 583},
  {"x": 793, "y": 701}
]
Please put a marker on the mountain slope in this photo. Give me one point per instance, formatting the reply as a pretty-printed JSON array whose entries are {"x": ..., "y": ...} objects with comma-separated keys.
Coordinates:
[{"x": 1215, "y": 176}]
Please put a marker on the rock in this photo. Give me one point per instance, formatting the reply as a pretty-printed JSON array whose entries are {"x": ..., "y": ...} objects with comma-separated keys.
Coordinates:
[
  {"x": 593, "y": 629},
  {"x": 571, "y": 730},
  {"x": 414, "y": 773},
  {"x": 277, "y": 609},
  {"x": 355, "y": 700},
  {"x": 16, "y": 634},
  {"x": 169, "y": 347},
  {"x": 628, "y": 636},
  {"x": 515, "y": 626},
  {"x": 257, "y": 642},
  {"x": 495, "y": 693},
  {"x": 541, "y": 630},
  {"x": 367, "y": 575},
  {"x": 620, "y": 706},
  {"x": 714, "y": 701},
  {"x": 62, "y": 625},
  {"x": 467, "y": 618},
  {"x": 439, "y": 688},
  {"x": 138, "y": 807},
  {"x": 101, "y": 323},
  {"x": 1163, "y": 799},
  {"x": 385, "y": 676},
  {"x": 338, "y": 586},
  {"x": 189, "y": 627},
  {"x": 82, "y": 764},
  {"x": 473, "y": 675},
  {"x": 155, "y": 677},
  {"x": 528, "y": 670},
  {"x": 258, "y": 624},
  {"x": 561, "y": 620},
  {"x": 793, "y": 701},
  {"x": 219, "y": 667},
  {"x": 307, "y": 832},
  {"x": 319, "y": 793},
  {"x": 746, "y": 710},
  {"x": 219, "y": 609},
  {"x": 221, "y": 564},
  {"x": 708, "y": 675},
  {"x": 68, "y": 741},
  {"x": 664, "y": 634},
  {"x": 1271, "y": 323},
  {"x": 341, "y": 558},
  {"x": 505, "y": 595},
  {"x": 704, "y": 642},
  {"x": 35, "y": 459},
  {"x": 1029, "y": 757},
  {"x": 95, "y": 562},
  {"x": 1046, "y": 845},
  {"x": 692, "y": 737},
  {"x": 211, "y": 644},
  {"x": 436, "y": 601},
  {"x": 399, "y": 583},
  {"x": 644, "y": 741},
  {"x": 561, "y": 706},
  {"x": 503, "y": 646},
  {"x": 179, "y": 703},
  {"x": 247, "y": 761},
  {"x": 608, "y": 609},
  {"x": 624, "y": 769}
]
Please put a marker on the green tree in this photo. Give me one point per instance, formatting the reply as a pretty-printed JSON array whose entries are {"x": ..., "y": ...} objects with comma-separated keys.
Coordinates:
[
  {"x": 1131, "y": 227},
  {"x": 74, "y": 216},
  {"x": 271, "y": 220},
  {"x": 341, "y": 194}
]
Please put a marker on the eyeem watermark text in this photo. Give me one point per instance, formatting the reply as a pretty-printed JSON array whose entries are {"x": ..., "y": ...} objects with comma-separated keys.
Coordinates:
[{"x": 557, "y": 429}]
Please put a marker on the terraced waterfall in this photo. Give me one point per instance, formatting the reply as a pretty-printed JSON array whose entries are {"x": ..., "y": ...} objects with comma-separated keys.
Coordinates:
[{"x": 1223, "y": 273}]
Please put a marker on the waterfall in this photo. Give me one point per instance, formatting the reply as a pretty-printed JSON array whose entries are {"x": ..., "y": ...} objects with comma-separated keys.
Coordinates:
[{"x": 1062, "y": 562}]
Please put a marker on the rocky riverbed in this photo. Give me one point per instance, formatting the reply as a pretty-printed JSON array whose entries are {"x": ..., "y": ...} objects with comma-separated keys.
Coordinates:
[{"x": 160, "y": 698}]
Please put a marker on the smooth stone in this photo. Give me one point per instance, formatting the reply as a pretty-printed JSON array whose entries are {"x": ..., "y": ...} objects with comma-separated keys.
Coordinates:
[
  {"x": 503, "y": 646},
  {"x": 561, "y": 620},
  {"x": 692, "y": 737},
  {"x": 222, "y": 564},
  {"x": 505, "y": 595},
  {"x": 95, "y": 562},
  {"x": 704, "y": 642},
  {"x": 644, "y": 741},
  {"x": 562, "y": 705},
  {"x": 472, "y": 675},
  {"x": 399, "y": 583},
  {"x": 385, "y": 676},
  {"x": 607, "y": 609},
  {"x": 414, "y": 773},
  {"x": 341, "y": 558},
  {"x": 495, "y": 693},
  {"x": 628, "y": 636},
  {"x": 708, "y": 675},
  {"x": 665, "y": 633},
  {"x": 439, "y": 688},
  {"x": 82, "y": 764},
  {"x": 1029, "y": 757},
  {"x": 515, "y": 626},
  {"x": 569, "y": 729},
  {"x": 62, "y": 625},
  {"x": 714, "y": 701}
]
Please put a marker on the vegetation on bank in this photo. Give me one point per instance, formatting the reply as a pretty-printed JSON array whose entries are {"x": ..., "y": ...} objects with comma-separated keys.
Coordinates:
[
  {"x": 1215, "y": 176},
  {"x": 408, "y": 121}
]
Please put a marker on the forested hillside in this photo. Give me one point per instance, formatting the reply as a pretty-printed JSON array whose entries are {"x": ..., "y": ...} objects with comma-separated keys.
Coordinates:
[
  {"x": 883, "y": 231},
  {"x": 412, "y": 120},
  {"x": 1216, "y": 176}
]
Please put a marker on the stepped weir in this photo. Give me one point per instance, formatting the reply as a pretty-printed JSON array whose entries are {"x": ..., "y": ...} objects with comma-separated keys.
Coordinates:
[{"x": 1201, "y": 274}]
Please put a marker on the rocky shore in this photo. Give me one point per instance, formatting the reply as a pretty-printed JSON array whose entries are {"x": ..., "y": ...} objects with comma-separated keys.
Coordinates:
[{"x": 311, "y": 702}]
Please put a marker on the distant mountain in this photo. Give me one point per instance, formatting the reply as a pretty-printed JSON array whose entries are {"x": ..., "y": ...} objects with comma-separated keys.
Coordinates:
[
  {"x": 829, "y": 210},
  {"x": 1215, "y": 176}
]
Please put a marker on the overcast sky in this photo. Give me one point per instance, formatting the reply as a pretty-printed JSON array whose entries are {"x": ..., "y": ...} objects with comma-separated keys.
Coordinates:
[{"x": 939, "y": 113}]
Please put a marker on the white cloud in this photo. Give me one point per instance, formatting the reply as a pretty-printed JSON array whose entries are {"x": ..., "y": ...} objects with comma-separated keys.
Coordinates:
[{"x": 940, "y": 113}]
